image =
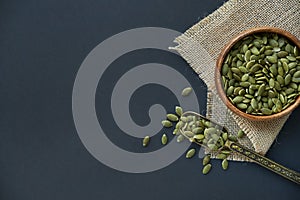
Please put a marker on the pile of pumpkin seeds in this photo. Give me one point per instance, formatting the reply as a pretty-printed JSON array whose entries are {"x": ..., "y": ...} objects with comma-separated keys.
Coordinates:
[
  {"x": 201, "y": 131},
  {"x": 261, "y": 74}
]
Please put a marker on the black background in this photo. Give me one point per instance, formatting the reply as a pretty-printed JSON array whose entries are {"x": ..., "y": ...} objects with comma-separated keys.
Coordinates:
[{"x": 42, "y": 45}]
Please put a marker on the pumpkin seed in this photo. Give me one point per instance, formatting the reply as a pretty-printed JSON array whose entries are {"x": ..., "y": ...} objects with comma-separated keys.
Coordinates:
[
  {"x": 240, "y": 134},
  {"x": 164, "y": 139},
  {"x": 206, "y": 160},
  {"x": 221, "y": 156},
  {"x": 146, "y": 141},
  {"x": 178, "y": 110},
  {"x": 172, "y": 117},
  {"x": 199, "y": 137},
  {"x": 206, "y": 169},
  {"x": 180, "y": 138},
  {"x": 186, "y": 91},
  {"x": 225, "y": 164},
  {"x": 167, "y": 123},
  {"x": 190, "y": 153}
]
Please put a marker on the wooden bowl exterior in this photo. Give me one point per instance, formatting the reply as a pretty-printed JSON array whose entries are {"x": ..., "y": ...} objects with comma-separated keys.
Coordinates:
[{"x": 219, "y": 65}]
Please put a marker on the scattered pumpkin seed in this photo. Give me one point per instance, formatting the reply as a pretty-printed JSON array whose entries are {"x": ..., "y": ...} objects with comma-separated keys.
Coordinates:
[
  {"x": 190, "y": 153},
  {"x": 186, "y": 91},
  {"x": 146, "y": 141}
]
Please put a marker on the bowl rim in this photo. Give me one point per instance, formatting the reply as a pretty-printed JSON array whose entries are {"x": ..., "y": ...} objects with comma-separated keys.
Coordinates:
[{"x": 222, "y": 57}]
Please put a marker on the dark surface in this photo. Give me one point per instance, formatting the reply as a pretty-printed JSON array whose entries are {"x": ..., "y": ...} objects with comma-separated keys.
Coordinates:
[{"x": 42, "y": 45}]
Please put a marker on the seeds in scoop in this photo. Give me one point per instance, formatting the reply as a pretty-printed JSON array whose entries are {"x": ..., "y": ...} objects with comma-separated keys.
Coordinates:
[
  {"x": 188, "y": 133},
  {"x": 210, "y": 131},
  {"x": 206, "y": 160},
  {"x": 178, "y": 110},
  {"x": 180, "y": 138},
  {"x": 184, "y": 119},
  {"x": 197, "y": 130},
  {"x": 186, "y": 91},
  {"x": 199, "y": 137},
  {"x": 172, "y": 117},
  {"x": 166, "y": 123},
  {"x": 176, "y": 131},
  {"x": 179, "y": 125},
  {"x": 225, "y": 164},
  {"x": 190, "y": 153},
  {"x": 164, "y": 139},
  {"x": 146, "y": 141},
  {"x": 206, "y": 169}
]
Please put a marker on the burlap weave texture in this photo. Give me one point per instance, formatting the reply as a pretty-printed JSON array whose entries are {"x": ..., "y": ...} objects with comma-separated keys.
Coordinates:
[{"x": 201, "y": 44}]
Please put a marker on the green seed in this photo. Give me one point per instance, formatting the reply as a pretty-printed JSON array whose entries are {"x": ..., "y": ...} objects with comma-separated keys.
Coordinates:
[
  {"x": 250, "y": 64},
  {"x": 273, "y": 43},
  {"x": 245, "y": 77},
  {"x": 291, "y": 58},
  {"x": 221, "y": 156},
  {"x": 282, "y": 54},
  {"x": 289, "y": 91},
  {"x": 237, "y": 99},
  {"x": 179, "y": 125},
  {"x": 164, "y": 139},
  {"x": 184, "y": 119},
  {"x": 297, "y": 74},
  {"x": 254, "y": 50},
  {"x": 254, "y": 104},
  {"x": 230, "y": 90},
  {"x": 186, "y": 91},
  {"x": 272, "y": 83},
  {"x": 190, "y": 153},
  {"x": 206, "y": 169},
  {"x": 225, "y": 136},
  {"x": 197, "y": 130},
  {"x": 178, "y": 110},
  {"x": 212, "y": 147},
  {"x": 210, "y": 131},
  {"x": 199, "y": 137},
  {"x": 146, "y": 141},
  {"x": 240, "y": 134},
  {"x": 172, "y": 117},
  {"x": 261, "y": 89},
  {"x": 268, "y": 52},
  {"x": 166, "y": 123},
  {"x": 296, "y": 80},
  {"x": 255, "y": 68},
  {"x": 225, "y": 69},
  {"x": 180, "y": 138},
  {"x": 287, "y": 79},
  {"x": 271, "y": 59},
  {"x": 226, "y": 152},
  {"x": 176, "y": 131},
  {"x": 296, "y": 51},
  {"x": 225, "y": 164},
  {"x": 266, "y": 111},
  {"x": 188, "y": 133},
  {"x": 206, "y": 160},
  {"x": 232, "y": 138},
  {"x": 280, "y": 79},
  {"x": 242, "y": 106}
]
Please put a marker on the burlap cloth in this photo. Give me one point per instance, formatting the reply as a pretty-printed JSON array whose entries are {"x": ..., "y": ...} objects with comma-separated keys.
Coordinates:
[{"x": 201, "y": 44}]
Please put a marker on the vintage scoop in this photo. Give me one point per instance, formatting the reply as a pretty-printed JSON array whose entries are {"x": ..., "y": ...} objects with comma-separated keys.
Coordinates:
[{"x": 238, "y": 148}]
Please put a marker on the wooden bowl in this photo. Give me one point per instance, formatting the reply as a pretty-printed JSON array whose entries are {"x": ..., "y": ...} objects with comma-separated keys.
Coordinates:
[{"x": 219, "y": 65}]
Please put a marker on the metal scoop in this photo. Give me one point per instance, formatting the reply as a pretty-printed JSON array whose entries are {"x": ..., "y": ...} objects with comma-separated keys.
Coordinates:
[{"x": 238, "y": 148}]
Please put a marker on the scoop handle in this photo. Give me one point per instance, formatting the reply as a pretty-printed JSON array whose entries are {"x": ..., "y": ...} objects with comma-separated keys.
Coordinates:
[{"x": 265, "y": 162}]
